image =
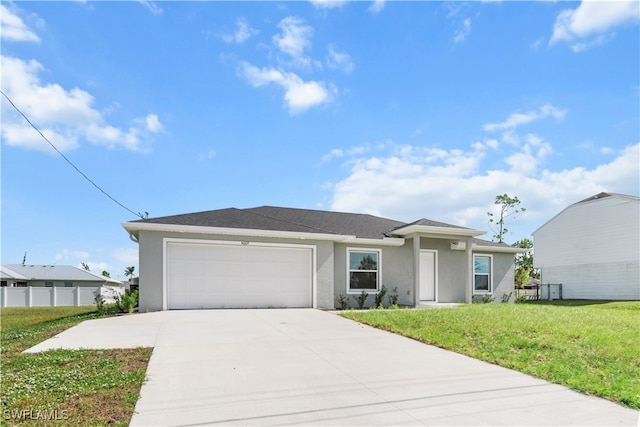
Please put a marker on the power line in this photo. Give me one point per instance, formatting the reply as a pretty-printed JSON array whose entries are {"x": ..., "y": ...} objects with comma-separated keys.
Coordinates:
[{"x": 138, "y": 214}]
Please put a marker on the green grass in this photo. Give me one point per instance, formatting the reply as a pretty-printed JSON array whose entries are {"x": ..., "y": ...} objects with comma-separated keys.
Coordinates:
[
  {"x": 69, "y": 387},
  {"x": 13, "y": 317},
  {"x": 591, "y": 347}
]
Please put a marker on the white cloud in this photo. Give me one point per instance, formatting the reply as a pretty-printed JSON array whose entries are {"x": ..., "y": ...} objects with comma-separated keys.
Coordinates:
[
  {"x": 12, "y": 28},
  {"x": 152, "y": 6},
  {"x": 208, "y": 155},
  {"x": 127, "y": 256},
  {"x": 294, "y": 40},
  {"x": 593, "y": 18},
  {"x": 98, "y": 267},
  {"x": 242, "y": 34},
  {"x": 376, "y": 6},
  {"x": 67, "y": 254},
  {"x": 412, "y": 182},
  {"x": 518, "y": 119},
  {"x": 340, "y": 60},
  {"x": 299, "y": 95},
  {"x": 153, "y": 123},
  {"x": 462, "y": 32},
  {"x": 64, "y": 116},
  {"x": 328, "y": 4}
]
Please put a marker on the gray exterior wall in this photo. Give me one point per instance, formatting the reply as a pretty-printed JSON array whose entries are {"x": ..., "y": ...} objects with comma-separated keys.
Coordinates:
[
  {"x": 396, "y": 267},
  {"x": 452, "y": 275},
  {"x": 152, "y": 269},
  {"x": 74, "y": 283},
  {"x": 503, "y": 275}
]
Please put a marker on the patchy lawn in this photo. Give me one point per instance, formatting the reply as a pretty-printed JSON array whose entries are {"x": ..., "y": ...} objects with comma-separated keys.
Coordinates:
[
  {"x": 65, "y": 387},
  {"x": 591, "y": 347}
]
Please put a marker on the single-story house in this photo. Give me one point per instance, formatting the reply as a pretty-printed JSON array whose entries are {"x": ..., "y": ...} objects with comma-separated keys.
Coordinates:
[
  {"x": 283, "y": 257},
  {"x": 19, "y": 275},
  {"x": 592, "y": 248}
]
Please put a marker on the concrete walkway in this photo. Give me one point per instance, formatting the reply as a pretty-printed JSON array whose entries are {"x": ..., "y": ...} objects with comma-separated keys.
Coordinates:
[{"x": 308, "y": 367}]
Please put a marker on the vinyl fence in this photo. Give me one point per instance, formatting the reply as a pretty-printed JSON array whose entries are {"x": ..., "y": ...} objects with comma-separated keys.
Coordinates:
[{"x": 36, "y": 296}]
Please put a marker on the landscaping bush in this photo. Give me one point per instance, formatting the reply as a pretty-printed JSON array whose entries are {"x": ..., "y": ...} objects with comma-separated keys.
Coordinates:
[
  {"x": 127, "y": 302},
  {"x": 393, "y": 297},
  {"x": 362, "y": 298},
  {"x": 380, "y": 297},
  {"x": 343, "y": 301}
]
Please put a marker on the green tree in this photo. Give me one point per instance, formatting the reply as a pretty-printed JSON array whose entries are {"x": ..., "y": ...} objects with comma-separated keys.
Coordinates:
[
  {"x": 523, "y": 262},
  {"x": 85, "y": 266},
  {"x": 129, "y": 272},
  {"x": 105, "y": 273},
  {"x": 508, "y": 206}
]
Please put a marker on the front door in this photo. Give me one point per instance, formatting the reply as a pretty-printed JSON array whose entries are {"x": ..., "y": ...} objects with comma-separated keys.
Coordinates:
[{"x": 428, "y": 275}]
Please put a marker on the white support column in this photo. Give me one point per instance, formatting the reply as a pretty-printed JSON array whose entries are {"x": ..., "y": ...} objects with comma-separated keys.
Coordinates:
[
  {"x": 76, "y": 296},
  {"x": 29, "y": 296},
  {"x": 53, "y": 296},
  {"x": 416, "y": 269},
  {"x": 4, "y": 295},
  {"x": 469, "y": 287}
]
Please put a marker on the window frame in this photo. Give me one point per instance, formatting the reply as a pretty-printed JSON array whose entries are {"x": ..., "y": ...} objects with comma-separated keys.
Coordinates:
[
  {"x": 378, "y": 271},
  {"x": 489, "y": 274}
]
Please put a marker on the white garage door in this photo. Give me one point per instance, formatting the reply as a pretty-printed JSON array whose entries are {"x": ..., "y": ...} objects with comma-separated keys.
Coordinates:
[{"x": 208, "y": 275}]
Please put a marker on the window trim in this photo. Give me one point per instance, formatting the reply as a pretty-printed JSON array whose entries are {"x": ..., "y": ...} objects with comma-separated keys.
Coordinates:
[
  {"x": 348, "y": 268},
  {"x": 489, "y": 274}
]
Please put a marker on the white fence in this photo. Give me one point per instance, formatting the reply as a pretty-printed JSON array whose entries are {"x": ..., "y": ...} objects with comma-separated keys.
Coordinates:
[{"x": 36, "y": 296}]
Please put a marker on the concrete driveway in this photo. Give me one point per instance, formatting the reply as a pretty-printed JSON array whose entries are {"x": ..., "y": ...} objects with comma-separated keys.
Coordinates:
[{"x": 308, "y": 367}]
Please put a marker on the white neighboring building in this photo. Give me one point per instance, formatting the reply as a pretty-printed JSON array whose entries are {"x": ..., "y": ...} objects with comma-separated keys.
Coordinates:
[{"x": 593, "y": 248}]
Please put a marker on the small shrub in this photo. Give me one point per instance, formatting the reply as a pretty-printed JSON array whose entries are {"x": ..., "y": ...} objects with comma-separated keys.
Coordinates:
[
  {"x": 127, "y": 302},
  {"x": 506, "y": 297},
  {"x": 362, "y": 298},
  {"x": 394, "y": 307},
  {"x": 99, "y": 300},
  {"x": 393, "y": 297},
  {"x": 343, "y": 301},
  {"x": 380, "y": 297},
  {"x": 482, "y": 299},
  {"x": 521, "y": 299}
]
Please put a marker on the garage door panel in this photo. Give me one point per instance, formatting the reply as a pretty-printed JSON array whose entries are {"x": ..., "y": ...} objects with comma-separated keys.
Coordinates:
[{"x": 207, "y": 275}]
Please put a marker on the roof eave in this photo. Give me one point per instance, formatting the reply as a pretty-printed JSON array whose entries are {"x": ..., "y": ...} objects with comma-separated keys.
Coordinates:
[
  {"x": 461, "y": 246},
  {"x": 438, "y": 232},
  {"x": 135, "y": 227}
]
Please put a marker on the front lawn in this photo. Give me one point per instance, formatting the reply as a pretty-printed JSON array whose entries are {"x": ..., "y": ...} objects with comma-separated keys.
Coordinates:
[
  {"x": 591, "y": 347},
  {"x": 64, "y": 387}
]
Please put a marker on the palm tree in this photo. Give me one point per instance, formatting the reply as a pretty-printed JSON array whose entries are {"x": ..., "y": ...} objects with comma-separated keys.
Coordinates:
[{"x": 128, "y": 272}]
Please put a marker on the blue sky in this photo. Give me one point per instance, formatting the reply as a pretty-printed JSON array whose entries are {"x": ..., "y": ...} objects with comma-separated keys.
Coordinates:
[{"x": 399, "y": 109}]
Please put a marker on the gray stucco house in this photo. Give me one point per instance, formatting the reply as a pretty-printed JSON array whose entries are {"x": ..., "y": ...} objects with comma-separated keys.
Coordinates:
[{"x": 283, "y": 257}]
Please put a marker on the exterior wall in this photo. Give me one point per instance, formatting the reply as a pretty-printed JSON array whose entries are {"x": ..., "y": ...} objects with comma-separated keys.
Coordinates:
[
  {"x": 593, "y": 249},
  {"x": 396, "y": 268},
  {"x": 61, "y": 283},
  {"x": 452, "y": 274},
  {"x": 503, "y": 275},
  {"x": 611, "y": 280},
  {"x": 152, "y": 268},
  {"x": 33, "y": 296}
]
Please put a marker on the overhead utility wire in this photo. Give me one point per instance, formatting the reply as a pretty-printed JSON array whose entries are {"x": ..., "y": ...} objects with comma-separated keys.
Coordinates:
[{"x": 138, "y": 214}]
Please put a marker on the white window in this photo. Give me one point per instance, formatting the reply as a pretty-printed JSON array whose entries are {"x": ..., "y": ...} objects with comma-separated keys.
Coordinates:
[
  {"x": 482, "y": 266},
  {"x": 68, "y": 284},
  {"x": 363, "y": 270}
]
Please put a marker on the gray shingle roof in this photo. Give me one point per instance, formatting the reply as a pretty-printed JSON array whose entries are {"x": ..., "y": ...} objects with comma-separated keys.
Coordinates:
[
  {"x": 286, "y": 219},
  {"x": 54, "y": 273}
]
